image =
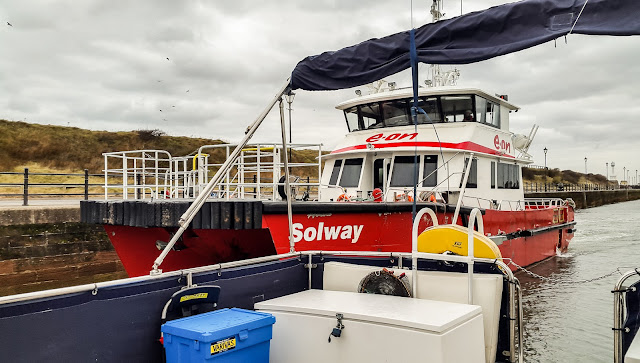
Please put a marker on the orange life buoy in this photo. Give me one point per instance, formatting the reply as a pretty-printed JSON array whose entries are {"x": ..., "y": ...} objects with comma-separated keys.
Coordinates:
[
  {"x": 343, "y": 198},
  {"x": 432, "y": 198}
]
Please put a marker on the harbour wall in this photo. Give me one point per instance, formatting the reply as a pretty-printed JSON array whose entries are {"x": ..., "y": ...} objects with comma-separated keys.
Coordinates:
[
  {"x": 591, "y": 198},
  {"x": 47, "y": 247}
]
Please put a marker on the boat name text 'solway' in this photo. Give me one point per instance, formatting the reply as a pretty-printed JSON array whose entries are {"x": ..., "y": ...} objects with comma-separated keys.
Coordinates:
[
  {"x": 392, "y": 137},
  {"x": 326, "y": 233}
]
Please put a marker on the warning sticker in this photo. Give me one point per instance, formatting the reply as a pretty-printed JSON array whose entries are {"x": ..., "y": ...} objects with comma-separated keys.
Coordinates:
[{"x": 223, "y": 345}]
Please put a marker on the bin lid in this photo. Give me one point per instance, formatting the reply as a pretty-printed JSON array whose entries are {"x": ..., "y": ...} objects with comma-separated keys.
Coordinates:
[
  {"x": 428, "y": 315},
  {"x": 217, "y": 324}
]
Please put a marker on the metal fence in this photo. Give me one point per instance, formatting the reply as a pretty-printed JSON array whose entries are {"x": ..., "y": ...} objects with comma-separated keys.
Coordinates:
[
  {"x": 76, "y": 185},
  {"x": 530, "y": 187}
]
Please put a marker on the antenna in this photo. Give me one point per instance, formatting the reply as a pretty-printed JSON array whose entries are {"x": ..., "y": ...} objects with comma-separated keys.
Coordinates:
[{"x": 439, "y": 77}]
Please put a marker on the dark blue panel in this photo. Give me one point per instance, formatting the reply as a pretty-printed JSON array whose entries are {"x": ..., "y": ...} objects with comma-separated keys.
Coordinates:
[
  {"x": 466, "y": 39},
  {"x": 632, "y": 297},
  {"x": 122, "y": 324}
]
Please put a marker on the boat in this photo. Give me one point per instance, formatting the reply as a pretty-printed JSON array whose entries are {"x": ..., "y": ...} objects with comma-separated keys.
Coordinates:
[
  {"x": 463, "y": 152},
  {"x": 443, "y": 307},
  {"x": 314, "y": 300}
]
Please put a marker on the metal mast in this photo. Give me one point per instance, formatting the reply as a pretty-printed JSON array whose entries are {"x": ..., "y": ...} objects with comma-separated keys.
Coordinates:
[{"x": 439, "y": 77}]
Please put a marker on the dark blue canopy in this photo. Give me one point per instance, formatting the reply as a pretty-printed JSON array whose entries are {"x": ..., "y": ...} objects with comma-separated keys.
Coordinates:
[{"x": 466, "y": 39}]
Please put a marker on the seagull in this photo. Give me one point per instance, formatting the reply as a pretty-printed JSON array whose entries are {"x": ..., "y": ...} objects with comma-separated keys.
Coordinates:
[
  {"x": 160, "y": 110},
  {"x": 173, "y": 106},
  {"x": 167, "y": 58},
  {"x": 9, "y": 24},
  {"x": 187, "y": 90}
]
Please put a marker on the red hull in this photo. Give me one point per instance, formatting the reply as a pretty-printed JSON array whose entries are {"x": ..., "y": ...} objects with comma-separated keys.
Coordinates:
[{"x": 384, "y": 232}]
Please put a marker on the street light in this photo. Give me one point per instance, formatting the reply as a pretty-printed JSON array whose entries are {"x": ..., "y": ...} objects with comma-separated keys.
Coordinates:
[
  {"x": 545, "y": 168},
  {"x": 585, "y": 165},
  {"x": 607, "y": 175},
  {"x": 289, "y": 97}
]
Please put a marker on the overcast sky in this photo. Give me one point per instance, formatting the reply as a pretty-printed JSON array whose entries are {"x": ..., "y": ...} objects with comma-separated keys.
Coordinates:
[{"x": 212, "y": 66}]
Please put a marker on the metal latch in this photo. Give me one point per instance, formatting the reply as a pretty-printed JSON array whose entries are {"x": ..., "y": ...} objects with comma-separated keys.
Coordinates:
[{"x": 337, "y": 331}]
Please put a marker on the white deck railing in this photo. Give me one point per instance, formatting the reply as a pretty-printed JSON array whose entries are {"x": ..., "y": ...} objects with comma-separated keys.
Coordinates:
[{"x": 155, "y": 174}]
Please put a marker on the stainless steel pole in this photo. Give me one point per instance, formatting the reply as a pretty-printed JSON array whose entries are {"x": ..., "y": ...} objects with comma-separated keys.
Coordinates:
[{"x": 188, "y": 216}]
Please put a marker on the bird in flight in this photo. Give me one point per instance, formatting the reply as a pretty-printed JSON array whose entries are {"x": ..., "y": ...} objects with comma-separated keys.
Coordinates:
[
  {"x": 167, "y": 58},
  {"x": 9, "y": 24}
]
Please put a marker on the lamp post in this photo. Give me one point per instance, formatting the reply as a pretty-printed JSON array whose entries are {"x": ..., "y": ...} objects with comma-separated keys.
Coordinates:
[
  {"x": 624, "y": 173},
  {"x": 289, "y": 97},
  {"x": 545, "y": 168},
  {"x": 585, "y": 165},
  {"x": 607, "y": 175}
]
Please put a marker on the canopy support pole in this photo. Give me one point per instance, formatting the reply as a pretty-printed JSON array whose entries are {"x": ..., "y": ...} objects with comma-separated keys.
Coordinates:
[
  {"x": 287, "y": 188},
  {"x": 464, "y": 186},
  {"x": 193, "y": 209}
]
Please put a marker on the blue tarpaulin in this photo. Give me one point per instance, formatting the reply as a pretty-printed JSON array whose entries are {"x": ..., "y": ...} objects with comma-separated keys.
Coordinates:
[{"x": 466, "y": 39}]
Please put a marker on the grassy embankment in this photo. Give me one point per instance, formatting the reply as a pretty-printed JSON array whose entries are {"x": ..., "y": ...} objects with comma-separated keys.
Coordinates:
[
  {"x": 556, "y": 176},
  {"x": 60, "y": 149}
]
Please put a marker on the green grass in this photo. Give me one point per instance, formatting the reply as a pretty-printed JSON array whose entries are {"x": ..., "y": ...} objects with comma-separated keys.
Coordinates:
[{"x": 60, "y": 149}]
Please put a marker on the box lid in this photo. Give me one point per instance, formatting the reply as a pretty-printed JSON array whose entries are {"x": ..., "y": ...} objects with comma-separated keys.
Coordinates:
[
  {"x": 430, "y": 315},
  {"x": 217, "y": 324}
]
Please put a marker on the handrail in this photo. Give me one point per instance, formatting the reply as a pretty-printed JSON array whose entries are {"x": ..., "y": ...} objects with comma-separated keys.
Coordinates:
[
  {"x": 27, "y": 184},
  {"x": 618, "y": 318}
]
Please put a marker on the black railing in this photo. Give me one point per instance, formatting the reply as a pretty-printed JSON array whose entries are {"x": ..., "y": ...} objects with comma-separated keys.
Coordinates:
[
  {"x": 66, "y": 189},
  {"x": 531, "y": 187}
]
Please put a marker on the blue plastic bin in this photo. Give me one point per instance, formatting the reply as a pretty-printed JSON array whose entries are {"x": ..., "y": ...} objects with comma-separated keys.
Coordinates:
[{"x": 226, "y": 335}]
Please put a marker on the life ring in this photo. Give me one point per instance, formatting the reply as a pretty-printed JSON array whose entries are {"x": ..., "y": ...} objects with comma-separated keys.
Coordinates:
[
  {"x": 377, "y": 195},
  {"x": 454, "y": 238},
  {"x": 281, "y": 184},
  {"x": 343, "y": 198}
]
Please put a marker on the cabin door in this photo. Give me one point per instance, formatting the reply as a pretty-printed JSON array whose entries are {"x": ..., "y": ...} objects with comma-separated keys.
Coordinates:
[{"x": 381, "y": 172}]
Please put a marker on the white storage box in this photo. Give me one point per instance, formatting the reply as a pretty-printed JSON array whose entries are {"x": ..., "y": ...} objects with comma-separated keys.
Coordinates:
[{"x": 377, "y": 328}]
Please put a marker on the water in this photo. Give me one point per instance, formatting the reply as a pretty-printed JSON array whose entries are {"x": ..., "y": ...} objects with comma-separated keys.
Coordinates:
[{"x": 569, "y": 321}]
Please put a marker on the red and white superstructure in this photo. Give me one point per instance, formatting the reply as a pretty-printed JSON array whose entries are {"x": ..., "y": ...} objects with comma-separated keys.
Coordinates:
[{"x": 462, "y": 149}]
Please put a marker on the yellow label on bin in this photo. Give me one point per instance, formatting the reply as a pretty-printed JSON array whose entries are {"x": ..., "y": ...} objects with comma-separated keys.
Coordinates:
[
  {"x": 202, "y": 295},
  {"x": 223, "y": 345}
]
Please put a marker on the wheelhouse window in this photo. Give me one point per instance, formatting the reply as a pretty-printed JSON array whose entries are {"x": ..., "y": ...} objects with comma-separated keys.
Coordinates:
[
  {"x": 447, "y": 108},
  {"x": 370, "y": 117},
  {"x": 508, "y": 176},
  {"x": 351, "y": 173},
  {"x": 430, "y": 175},
  {"x": 472, "y": 180},
  {"x": 403, "y": 171},
  {"x": 335, "y": 172},
  {"x": 431, "y": 107},
  {"x": 487, "y": 112},
  {"x": 351, "y": 115},
  {"x": 396, "y": 113},
  {"x": 457, "y": 108}
]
